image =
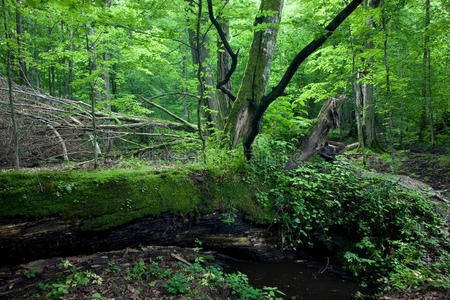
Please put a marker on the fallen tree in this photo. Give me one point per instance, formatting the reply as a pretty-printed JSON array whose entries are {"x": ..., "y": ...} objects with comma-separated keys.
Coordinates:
[{"x": 62, "y": 129}]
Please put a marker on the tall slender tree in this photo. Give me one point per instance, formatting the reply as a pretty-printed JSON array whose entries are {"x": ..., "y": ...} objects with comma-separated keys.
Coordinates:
[{"x": 15, "y": 140}]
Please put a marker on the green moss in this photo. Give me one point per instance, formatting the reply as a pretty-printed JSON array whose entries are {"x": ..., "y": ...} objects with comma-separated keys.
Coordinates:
[{"x": 104, "y": 199}]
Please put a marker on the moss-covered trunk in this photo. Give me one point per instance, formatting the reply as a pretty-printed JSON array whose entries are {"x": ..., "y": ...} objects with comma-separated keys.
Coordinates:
[{"x": 257, "y": 72}]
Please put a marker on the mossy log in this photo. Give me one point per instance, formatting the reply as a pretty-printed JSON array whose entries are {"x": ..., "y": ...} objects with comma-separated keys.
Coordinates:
[{"x": 50, "y": 214}]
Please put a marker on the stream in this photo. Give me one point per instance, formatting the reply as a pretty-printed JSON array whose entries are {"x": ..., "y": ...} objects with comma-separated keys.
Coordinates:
[{"x": 297, "y": 280}]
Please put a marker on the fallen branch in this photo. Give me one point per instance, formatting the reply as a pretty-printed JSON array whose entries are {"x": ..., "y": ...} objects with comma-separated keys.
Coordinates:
[
  {"x": 180, "y": 259},
  {"x": 190, "y": 125}
]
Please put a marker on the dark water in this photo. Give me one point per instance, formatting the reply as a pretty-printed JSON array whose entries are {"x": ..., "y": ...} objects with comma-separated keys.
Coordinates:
[{"x": 297, "y": 280}]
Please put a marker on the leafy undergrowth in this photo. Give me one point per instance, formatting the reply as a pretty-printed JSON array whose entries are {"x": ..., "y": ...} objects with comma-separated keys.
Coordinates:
[
  {"x": 392, "y": 239},
  {"x": 146, "y": 273}
]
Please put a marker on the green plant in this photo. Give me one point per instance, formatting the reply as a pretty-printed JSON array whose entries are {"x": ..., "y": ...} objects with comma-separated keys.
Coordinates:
[
  {"x": 138, "y": 272},
  {"x": 177, "y": 284},
  {"x": 384, "y": 230},
  {"x": 31, "y": 273}
]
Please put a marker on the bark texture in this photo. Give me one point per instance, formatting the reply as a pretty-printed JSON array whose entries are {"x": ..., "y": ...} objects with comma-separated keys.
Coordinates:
[
  {"x": 327, "y": 119},
  {"x": 257, "y": 72}
]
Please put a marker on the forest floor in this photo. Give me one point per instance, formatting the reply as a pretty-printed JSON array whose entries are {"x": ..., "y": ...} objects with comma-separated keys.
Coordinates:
[
  {"x": 151, "y": 272},
  {"x": 154, "y": 272},
  {"x": 431, "y": 166}
]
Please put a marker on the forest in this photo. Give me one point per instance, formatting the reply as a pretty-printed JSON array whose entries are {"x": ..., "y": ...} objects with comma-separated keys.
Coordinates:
[{"x": 216, "y": 149}]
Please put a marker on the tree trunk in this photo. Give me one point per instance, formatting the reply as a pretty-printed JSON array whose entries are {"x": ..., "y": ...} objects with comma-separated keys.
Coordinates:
[
  {"x": 185, "y": 108},
  {"x": 22, "y": 64},
  {"x": 92, "y": 98},
  {"x": 15, "y": 142},
  {"x": 256, "y": 75},
  {"x": 202, "y": 57},
  {"x": 201, "y": 82},
  {"x": 70, "y": 72},
  {"x": 388, "y": 87},
  {"x": 368, "y": 101},
  {"x": 357, "y": 94},
  {"x": 106, "y": 71},
  {"x": 359, "y": 113},
  {"x": 223, "y": 67},
  {"x": 430, "y": 106},
  {"x": 423, "y": 115}
]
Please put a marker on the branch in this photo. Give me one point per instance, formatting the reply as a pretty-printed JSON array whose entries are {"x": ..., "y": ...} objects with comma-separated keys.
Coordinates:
[
  {"x": 192, "y": 126},
  {"x": 278, "y": 90},
  {"x": 162, "y": 145},
  {"x": 234, "y": 56},
  {"x": 307, "y": 51}
]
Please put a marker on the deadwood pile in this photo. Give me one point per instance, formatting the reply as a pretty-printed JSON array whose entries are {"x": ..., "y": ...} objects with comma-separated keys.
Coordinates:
[{"x": 53, "y": 129}]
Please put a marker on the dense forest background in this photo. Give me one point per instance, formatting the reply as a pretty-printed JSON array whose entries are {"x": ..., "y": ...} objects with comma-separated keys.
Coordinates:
[
  {"x": 390, "y": 60},
  {"x": 243, "y": 126}
]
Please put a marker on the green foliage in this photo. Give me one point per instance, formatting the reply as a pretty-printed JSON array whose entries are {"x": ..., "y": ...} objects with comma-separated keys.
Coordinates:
[
  {"x": 57, "y": 289},
  {"x": 178, "y": 284},
  {"x": 391, "y": 238}
]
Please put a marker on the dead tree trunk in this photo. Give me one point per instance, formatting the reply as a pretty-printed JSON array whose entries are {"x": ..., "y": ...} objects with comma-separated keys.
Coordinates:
[{"x": 327, "y": 119}]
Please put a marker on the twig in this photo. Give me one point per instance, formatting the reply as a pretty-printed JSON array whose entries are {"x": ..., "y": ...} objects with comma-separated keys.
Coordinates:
[
  {"x": 39, "y": 181},
  {"x": 180, "y": 259},
  {"x": 326, "y": 267}
]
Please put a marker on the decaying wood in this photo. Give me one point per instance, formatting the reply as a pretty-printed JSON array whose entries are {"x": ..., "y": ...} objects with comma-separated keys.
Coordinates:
[
  {"x": 351, "y": 147},
  {"x": 192, "y": 126},
  {"x": 178, "y": 257},
  {"x": 26, "y": 240},
  {"x": 327, "y": 119},
  {"x": 62, "y": 128}
]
